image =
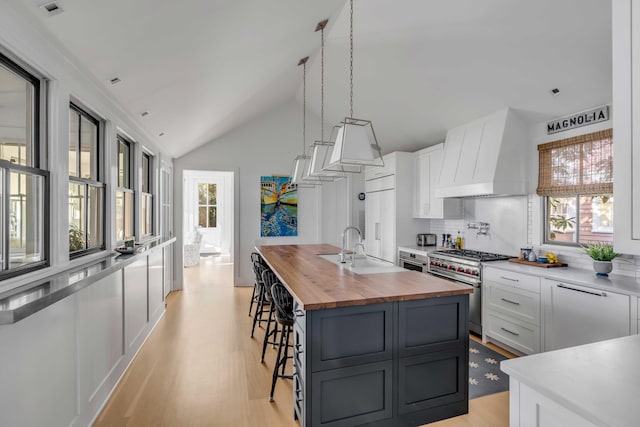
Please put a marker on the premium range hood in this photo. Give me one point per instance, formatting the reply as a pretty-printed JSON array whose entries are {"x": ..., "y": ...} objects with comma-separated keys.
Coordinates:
[{"x": 487, "y": 157}]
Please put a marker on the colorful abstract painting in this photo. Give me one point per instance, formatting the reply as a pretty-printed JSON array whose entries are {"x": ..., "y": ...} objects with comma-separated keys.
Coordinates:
[{"x": 278, "y": 207}]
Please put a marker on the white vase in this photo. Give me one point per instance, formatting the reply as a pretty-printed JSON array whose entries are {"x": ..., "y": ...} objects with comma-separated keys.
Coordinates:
[{"x": 602, "y": 268}]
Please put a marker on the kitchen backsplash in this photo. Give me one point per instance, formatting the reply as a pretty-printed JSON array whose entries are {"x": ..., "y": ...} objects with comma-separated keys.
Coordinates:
[{"x": 627, "y": 265}]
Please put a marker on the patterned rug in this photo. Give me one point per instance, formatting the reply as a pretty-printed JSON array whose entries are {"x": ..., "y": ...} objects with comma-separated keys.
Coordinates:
[{"x": 485, "y": 376}]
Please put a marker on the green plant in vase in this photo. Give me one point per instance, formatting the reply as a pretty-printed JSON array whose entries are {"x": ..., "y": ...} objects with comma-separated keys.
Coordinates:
[
  {"x": 76, "y": 239},
  {"x": 602, "y": 254}
]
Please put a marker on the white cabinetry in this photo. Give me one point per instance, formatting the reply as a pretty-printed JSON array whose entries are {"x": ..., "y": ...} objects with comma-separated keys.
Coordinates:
[
  {"x": 626, "y": 123},
  {"x": 428, "y": 163},
  {"x": 388, "y": 213},
  {"x": 576, "y": 315},
  {"x": 380, "y": 220},
  {"x": 528, "y": 408},
  {"x": 512, "y": 309}
]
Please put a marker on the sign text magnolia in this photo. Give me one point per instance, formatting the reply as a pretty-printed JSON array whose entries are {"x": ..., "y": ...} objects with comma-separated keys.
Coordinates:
[{"x": 600, "y": 114}]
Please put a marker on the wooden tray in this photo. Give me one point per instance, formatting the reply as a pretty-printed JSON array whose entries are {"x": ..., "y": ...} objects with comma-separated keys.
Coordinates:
[{"x": 537, "y": 264}]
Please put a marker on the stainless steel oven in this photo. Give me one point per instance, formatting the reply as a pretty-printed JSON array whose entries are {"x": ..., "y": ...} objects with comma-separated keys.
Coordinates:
[
  {"x": 464, "y": 266},
  {"x": 412, "y": 261}
]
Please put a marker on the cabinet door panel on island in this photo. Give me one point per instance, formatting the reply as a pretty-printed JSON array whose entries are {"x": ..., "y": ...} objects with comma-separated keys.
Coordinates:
[
  {"x": 351, "y": 336},
  {"x": 352, "y": 396}
]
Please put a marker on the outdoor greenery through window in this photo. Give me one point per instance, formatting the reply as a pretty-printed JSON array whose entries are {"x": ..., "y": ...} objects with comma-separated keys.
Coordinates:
[
  {"x": 207, "y": 205},
  {"x": 23, "y": 185},
  {"x": 576, "y": 180},
  {"x": 146, "y": 200},
  {"x": 86, "y": 192},
  {"x": 124, "y": 192}
]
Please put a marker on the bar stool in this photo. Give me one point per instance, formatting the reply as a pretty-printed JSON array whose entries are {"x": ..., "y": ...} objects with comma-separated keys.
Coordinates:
[
  {"x": 283, "y": 302},
  {"x": 268, "y": 280},
  {"x": 255, "y": 257},
  {"x": 262, "y": 302}
]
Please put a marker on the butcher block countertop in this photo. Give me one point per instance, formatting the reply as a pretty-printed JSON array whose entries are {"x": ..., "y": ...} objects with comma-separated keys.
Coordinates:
[{"x": 319, "y": 284}]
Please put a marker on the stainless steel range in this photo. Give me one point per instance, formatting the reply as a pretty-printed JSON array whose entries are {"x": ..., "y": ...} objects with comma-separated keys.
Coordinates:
[{"x": 465, "y": 266}]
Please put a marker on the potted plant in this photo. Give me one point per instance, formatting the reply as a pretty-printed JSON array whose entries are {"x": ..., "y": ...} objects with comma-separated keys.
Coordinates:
[{"x": 602, "y": 255}]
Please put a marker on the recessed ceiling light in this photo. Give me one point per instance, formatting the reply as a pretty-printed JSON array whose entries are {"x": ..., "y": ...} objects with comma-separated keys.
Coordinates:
[
  {"x": 555, "y": 91},
  {"x": 161, "y": 134},
  {"x": 144, "y": 114},
  {"x": 52, "y": 8},
  {"x": 115, "y": 80}
]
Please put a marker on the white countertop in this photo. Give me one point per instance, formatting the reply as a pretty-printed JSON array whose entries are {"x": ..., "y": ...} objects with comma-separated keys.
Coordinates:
[
  {"x": 599, "y": 381},
  {"x": 577, "y": 276}
]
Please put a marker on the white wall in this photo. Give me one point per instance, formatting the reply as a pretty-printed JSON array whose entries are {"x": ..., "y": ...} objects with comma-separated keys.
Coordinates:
[{"x": 266, "y": 145}]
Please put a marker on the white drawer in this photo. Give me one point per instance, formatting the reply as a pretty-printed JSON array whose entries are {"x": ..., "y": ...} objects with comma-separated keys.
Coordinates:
[
  {"x": 380, "y": 184},
  {"x": 523, "y": 338},
  {"x": 525, "y": 282},
  {"x": 523, "y": 305},
  {"x": 389, "y": 168}
]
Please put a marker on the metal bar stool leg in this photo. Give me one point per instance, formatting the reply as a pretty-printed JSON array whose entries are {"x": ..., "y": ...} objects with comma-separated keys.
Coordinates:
[
  {"x": 269, "y": 333},
  {"x": 281, "y": 360}
]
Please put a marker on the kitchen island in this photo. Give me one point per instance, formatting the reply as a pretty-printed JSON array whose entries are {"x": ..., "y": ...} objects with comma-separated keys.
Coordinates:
[{"x": 385, "y": 349}]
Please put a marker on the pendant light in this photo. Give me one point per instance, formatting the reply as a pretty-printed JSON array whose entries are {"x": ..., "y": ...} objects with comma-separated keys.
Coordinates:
[
  {"x": 321, "y": 150},
  {"x": 356, "y": 142},
  {"x": 301, "y": 161}
]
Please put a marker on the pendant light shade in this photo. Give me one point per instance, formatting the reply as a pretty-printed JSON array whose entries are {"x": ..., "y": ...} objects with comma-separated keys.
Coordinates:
[
  {"x": 298, "y": 169},
  {"x": 356, "y": 142},
  {"x": 321, "y": 157}
]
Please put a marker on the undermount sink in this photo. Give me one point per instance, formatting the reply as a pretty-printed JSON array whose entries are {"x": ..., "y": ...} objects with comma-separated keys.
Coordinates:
[{"x": 368, "y": 265}]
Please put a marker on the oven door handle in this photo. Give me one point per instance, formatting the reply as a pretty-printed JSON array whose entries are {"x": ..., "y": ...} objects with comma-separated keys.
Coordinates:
[{"x": 416, "y": 263}]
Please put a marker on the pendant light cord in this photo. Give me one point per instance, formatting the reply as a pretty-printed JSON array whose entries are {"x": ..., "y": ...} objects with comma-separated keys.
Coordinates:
[
  {"x": 304, "y": 106},
  {"x": 351, "y": 62},
  {"x": 322, "y": 86}
]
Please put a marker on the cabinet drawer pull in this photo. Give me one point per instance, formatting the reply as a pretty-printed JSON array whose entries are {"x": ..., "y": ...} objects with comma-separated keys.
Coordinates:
[
  {"x": 298, "y": 347},
  {"x": 509, "y": 301},
  {"x": 299, "y": 313},
  {"x": 509, "y": 279},
  {"x": 511, "y": 332},
  {"x": 598, "y": 294}
]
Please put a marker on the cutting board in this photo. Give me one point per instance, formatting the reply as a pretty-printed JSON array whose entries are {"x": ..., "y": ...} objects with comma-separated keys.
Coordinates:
[{"x": 537, "y": 264}]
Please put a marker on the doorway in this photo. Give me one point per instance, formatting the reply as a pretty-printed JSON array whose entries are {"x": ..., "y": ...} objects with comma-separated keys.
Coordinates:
[{"x": 208, "y": 225}]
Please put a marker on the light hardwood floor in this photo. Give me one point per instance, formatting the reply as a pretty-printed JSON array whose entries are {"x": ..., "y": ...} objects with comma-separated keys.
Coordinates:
[{"x": 199, "y": 367}]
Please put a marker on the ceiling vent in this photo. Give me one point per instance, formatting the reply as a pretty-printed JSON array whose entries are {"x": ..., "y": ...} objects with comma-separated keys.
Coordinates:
[
  {"x": 145, "y": 114},
  {"x": 115, "y": 80},
  {"x": 52, "y": 8}
]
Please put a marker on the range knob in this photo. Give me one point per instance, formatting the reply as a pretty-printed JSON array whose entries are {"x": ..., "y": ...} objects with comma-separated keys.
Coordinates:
[
  {"x": 451, "y": 267},
  {"x": 460, "y": 269},
  {"x": 474, "y": 273}
]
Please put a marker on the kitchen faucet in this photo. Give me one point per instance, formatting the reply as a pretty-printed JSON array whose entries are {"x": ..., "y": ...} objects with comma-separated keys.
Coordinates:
[
  {"x": 354, "y": 255},
  {"x": 342, "y": 255}
]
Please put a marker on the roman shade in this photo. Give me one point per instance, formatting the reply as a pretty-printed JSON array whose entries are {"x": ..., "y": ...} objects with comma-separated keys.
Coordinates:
[{"x": 579, "y": 165}]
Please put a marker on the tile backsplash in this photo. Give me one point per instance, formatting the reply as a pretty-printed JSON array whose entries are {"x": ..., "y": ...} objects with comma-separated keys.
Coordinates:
[{"x": 520, "y": 227}]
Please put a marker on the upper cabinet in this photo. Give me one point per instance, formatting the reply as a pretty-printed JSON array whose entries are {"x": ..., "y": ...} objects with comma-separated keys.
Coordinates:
[
  {"x": 487, "y": 157},
  {"x": 626, "y": 126},
  {"x": 428, "y": 164}
]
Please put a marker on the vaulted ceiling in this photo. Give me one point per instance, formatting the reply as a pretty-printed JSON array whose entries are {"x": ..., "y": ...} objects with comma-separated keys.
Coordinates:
[{"x": 202, "y": 67}]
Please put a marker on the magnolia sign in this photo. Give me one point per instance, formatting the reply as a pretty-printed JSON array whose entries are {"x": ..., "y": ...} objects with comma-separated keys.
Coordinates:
[{"x": 600, "y": 114}]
